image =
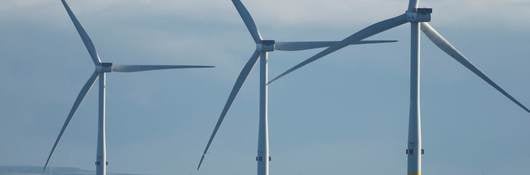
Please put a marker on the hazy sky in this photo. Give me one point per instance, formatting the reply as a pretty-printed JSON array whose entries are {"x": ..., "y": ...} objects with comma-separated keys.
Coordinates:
[{"x": 347, "y": 113}]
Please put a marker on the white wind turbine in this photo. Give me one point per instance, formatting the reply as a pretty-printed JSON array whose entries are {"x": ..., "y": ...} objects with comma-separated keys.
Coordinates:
[
  {"x": 418, "y": 18},
  {"x": 101, "y": 70},
  {"x": 263, "y": 47}
]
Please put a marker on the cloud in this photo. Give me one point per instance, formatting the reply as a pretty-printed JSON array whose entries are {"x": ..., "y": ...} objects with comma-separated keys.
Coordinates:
[{"x": 34, "y": 170}]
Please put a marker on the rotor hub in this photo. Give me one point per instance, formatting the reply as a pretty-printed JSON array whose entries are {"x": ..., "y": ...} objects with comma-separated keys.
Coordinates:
[
  {"x": 419, "y": 15},
  {"x": 104, "y": 67},
  {"x": 265, "y": 45}
]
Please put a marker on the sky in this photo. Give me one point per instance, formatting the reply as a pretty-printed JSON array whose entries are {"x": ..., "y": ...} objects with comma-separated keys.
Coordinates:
[{"x": 346, "y": 113}]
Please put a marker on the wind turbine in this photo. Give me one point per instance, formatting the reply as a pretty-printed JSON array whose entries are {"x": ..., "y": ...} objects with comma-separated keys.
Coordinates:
[
  {"x": 100, "y": 72},
  {"x": 263, "y": 47},
  {"x": 418, "y": 19}
]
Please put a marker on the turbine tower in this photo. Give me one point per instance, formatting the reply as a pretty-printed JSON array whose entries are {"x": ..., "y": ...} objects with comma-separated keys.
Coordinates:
[
  {"x": 263, "y": 47},
  {"x": 418, "y": 19},
  {"x": 100, "y": 72}
]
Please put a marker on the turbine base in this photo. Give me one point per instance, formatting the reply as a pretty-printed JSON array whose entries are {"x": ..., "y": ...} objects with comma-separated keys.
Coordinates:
[
  {"x": 260, "y": 158},
  {"x": 411, "y": 151}
]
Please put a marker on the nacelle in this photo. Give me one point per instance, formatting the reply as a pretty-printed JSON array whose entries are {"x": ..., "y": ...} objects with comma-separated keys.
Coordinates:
[
  {"x": 104, "y": 67},
  {"x": 419, "y": 15},
  {"x": 266, "y": 45}
]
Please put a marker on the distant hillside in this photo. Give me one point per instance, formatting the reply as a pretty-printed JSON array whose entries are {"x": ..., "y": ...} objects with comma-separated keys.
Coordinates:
[{"x": 34, "y": 170}]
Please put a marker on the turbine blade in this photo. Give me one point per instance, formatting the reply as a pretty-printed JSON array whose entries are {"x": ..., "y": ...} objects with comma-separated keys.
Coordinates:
[
  {"x": 239, "y": 82},
  {"x": 247, "y": 19},
  {"x": 413, "y": 4},
  {"x": 138, "y": 68},
  {"x": 306, "y": 45},
  {"x": 356, "y": 37},
  {"x": 78, "y": 100},
  {"x": 84, "y": 36},
  {"x": 443, "y": 44}
]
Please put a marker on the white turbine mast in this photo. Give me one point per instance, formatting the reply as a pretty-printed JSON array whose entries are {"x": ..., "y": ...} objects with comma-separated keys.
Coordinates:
[
  {"x": 419, "y": 19},
  {"x": 101, "y": 69},
  {"x": 263, "y": 47}
]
